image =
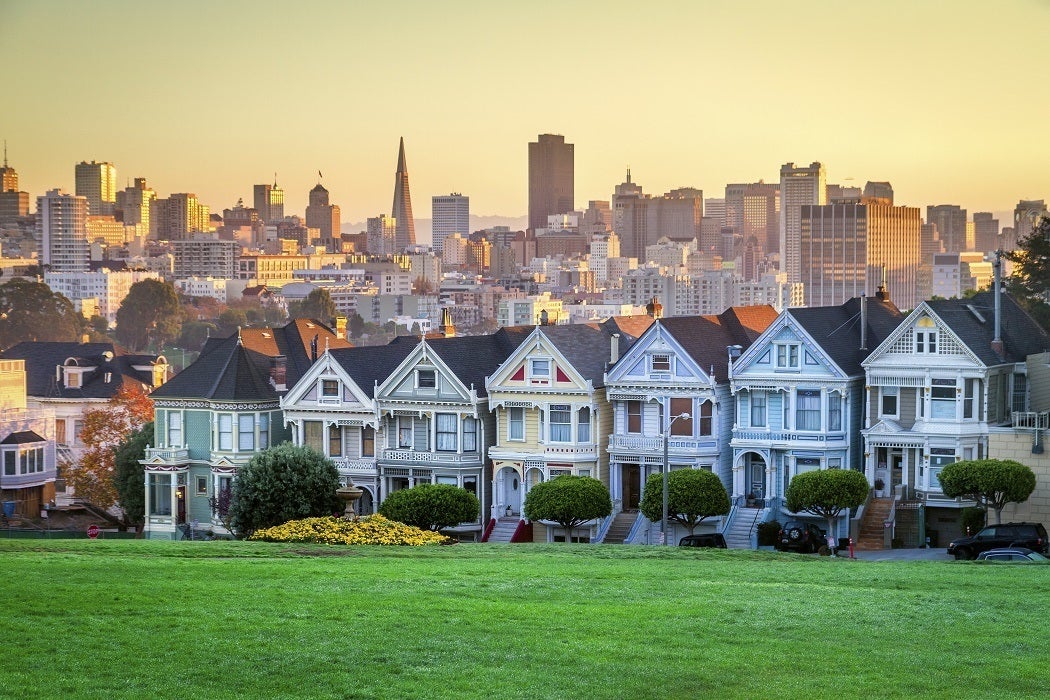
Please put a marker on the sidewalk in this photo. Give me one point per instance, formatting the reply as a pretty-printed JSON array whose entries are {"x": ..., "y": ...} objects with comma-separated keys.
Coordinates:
[{"x": 932, "y": 554}]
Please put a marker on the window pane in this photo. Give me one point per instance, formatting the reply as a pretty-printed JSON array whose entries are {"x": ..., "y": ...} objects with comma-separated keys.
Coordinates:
[
  {"x": 583, "y": 425},
  {"x": 246, "y": 432},
  {"x": 560, "y": 425},
  {"x": 160, "y": 494},
  {"x": 313, "y": 435},
  {"x": 470, "y": 434},
  {"x": 634, "y": 416},
  {"x": 704, "y": 418},
  {"x": 368, "y": 442},
  {"x": 335, "y": 441},
  {"x": 447, "y": 426},
  {"x": 517, "y": 423},
  {"x": 682, "y": 426},
  {"x": 758, "y": 409},
  {"x": 225, "y": 431},
  {"x": 807, "y": 410}
]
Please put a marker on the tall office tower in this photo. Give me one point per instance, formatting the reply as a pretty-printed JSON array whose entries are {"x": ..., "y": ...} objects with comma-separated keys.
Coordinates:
[
  {"x": 324, "y": 217},
  {"x": 880, "y": 191},
  {"x": 715, "y": 207},
  {"x": 629, "y": 209},
  {"x": 1027, "y": 215},
  {"x": 676, "y": 215},
  {"x": 847, "y": 249},
  {"x": 551, "y": 179},
  {"x": 597, "y": 220},
  {"x": 97, "y": 182},
  {"x": 179, "y": 215},
  {"x": 985, "y": 231},
  {"x": 269, "y": 201},
  {"x": 843, "y": 193},
  {"x": 381, "y": 235},
  {"x": 799, "y": 187},
  {"x": 951, "y": 225},
  {"x": 135, "y": 203},
  {"x": 451, "y": 214},
  {"x": 62, "y": 226},
  {"x": 402, "y": 209},
  {"x": 8, "y": 176},
  {"x": 754, "y": 210}
]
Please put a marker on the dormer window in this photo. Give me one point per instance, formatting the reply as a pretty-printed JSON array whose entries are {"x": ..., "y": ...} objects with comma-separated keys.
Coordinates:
[
  {"x": 926, "y": 336},
  {"x": 787, "y": 355},
  {"x": 660, "y": 363},
  {"x": 426, "y": 379},
  {"x": 73, "y": 378},
  {"x": 539, "y": 371},
  {"x": 329, "y": 389}
]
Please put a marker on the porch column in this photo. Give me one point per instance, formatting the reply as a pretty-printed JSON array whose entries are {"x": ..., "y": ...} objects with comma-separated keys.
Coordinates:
[
  {"x": 771, "y": 477},
  {"x": 738, "y": 477}
]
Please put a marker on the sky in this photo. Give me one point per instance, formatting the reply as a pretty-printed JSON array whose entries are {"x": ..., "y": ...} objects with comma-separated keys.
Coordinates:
[{"x": 949, "y": 101}]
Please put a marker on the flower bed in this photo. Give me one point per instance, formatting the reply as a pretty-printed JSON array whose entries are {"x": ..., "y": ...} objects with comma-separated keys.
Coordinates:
[{"x": 371, "y": 529}]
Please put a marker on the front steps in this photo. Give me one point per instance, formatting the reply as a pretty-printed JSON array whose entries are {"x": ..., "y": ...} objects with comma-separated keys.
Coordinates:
[
  {"x": 738, "y": 536},
  {"x": 872, "y": 527}
]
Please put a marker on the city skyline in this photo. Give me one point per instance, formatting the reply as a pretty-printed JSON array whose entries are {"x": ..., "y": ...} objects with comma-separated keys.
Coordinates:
[{"x": 945, "y": 101}]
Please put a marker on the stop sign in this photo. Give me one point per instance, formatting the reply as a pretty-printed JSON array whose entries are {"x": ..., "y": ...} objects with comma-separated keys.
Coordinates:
[{"x": 92, "y": 531}]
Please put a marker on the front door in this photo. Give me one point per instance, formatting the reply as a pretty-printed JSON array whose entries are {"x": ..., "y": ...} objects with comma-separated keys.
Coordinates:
[
  {"x": 180, "y": 498},
  {"x": 631, "y": 479}
]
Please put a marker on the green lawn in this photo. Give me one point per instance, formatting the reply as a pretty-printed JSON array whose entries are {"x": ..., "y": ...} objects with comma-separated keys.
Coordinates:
[{"x": 120, "y": 619}]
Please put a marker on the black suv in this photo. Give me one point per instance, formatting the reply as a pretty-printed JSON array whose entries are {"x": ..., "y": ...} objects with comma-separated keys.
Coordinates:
[
  {"x": 798, "y": 536},
  {"x": 711, "y": 539},
  {"x": 1030, "y": 535}
]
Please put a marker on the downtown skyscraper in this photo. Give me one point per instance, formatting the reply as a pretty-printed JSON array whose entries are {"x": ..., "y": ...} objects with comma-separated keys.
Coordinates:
[
  {"x": 405, "y": 232},
  {"x": 62, "y": 226},
  {"x": 98, "y": 183},
  {"x": 450, "y": 214},
  {"x": 551, "y": 179},
  {"x": 799, "y": 187},
  {"x": 269, "y": 201}
]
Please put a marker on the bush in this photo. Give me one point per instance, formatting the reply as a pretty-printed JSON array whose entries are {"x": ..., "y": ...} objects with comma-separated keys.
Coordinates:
[
  {"x": 431, "y": 506},
  {"x": 280, "y": 484},
  {"x": 767, "y": 533},
  {"x": 371, "y": 529}
]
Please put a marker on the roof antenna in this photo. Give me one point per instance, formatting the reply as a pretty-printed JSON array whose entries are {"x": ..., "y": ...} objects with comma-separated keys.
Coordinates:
[{"x": 5, "y": 153}]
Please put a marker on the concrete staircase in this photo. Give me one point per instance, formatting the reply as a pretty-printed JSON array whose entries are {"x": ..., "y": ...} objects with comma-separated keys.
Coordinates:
[
  {"x": 872, "y": 527},
  {"x": 620, "y": 527},
  {"x": 738, "y": 536},
  {"x": 504, "y": 529}
]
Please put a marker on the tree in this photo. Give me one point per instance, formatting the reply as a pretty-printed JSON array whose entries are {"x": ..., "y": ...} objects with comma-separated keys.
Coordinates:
[
  {"x": 94, "y": 478},
  {"x": 317, "y": 304},
  {"x": 30, "y": 311},
  {"x": 569, "y": 501},
  {"x": 356, "y": 325},
  {"x": 221, "y": 505},
  {"x": 990, "y": 482},
  {"x": 130, "y": 475},
  {"x": 826, "y": 493},
  {"x": 421, "y": 286},
  {"x": 280, "y": 484},
  {"x": 431, "y": 506},
  {"x": 195, "y": 333},
  {"x": 230, "y": 320},
  {"x": 151, "y": 312},
  {"x": 692, "y": 495},
  {"x": 1030, "y": 281}
]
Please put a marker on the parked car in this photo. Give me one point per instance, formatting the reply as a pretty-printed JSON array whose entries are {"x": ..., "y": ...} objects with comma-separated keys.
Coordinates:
[
  {"x": 711, "y": 539},
  {"x": 1030, "y": 535},
  {"x": 1013, "y": 555},
  {"x": 799, "y": 536}
]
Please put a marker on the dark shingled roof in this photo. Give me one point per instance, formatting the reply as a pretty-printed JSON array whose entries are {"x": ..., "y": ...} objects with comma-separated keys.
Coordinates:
[
  {"x": 237, "y": 368},
  {"x": 22, "y": 437},
  {"x": 588, "y": 346},
  {"x": 836, "y": 329},
  {"x": 707, "y": 338},
  {"x": 369, "y": 366},
  {"x": 473, "y": 358},
  {"x": 42, "y": 357},
  {"x": 1021, "y": 335}
]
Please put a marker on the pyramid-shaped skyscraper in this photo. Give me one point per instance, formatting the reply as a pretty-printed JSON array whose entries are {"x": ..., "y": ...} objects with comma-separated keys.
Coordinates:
[{"x": 405, "y": 233}]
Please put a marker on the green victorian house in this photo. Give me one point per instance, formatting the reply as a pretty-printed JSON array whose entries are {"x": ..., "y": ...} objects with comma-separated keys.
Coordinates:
[{"x": 212, "y": 417}]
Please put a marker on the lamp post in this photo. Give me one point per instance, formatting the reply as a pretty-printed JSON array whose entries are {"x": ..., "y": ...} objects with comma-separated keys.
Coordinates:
[{"x": 667, "y": 468}]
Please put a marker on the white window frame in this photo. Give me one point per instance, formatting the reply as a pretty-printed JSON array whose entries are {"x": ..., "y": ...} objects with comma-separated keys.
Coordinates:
[
  {"x": 327, "y": 396},
  {"x": 885, "y": 392},
  {"x": 583, "y": 425},
  {"x": 559, "y": 408},
  {"x": 787, "y": 356},
  {"x": 518, "y": 423},
  {"x": 245, "y": 437},
  {"x": 225, "y": 431},
  {"x": 175, "y": 431},
  {"x": 432, "y": 373},
  {"x": 446, "y": 432},
  {"x": 546, "y": 363},
  {"x": 665, "y": 358},
  {"x": 765, "y": 409}
]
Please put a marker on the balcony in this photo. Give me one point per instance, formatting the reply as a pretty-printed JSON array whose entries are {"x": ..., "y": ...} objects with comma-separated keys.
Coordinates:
[
  {"x": 802, "y": 438},
  {"x": 170, "y": 455},
  {"x": 404, "y": 456},
  {"x": 675, "y": 443},
  {"x": 350, "y": 464},
  {"x": 586, "y": 450}
]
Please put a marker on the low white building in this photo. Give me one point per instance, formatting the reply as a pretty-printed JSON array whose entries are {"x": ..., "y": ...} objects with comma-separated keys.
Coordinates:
[{"x": 108, "y": 287}]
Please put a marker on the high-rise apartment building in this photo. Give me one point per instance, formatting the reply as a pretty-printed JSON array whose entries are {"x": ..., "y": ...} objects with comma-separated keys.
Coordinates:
[
  {"x": 135, "y": 204},
  {"x": 98, "y": 183},
  {"x": 179, "y": 215},
  {"x": 849, "y": 248},
  {"x": 753, "y": 210},
  {"x": 269, "y": 201},
  {"x": 985, "y": 232},
  {"x": 951, "y": 225},
  {"x": 62, "y": 226},
  {"x": 324, "y": 217},
  {"x": 799, "y": 186},
  {"x": 551, "y": 179},
  {"x": 381, "y": 235},
  {"x": 450, "y": 214},
  {"x": 405, "y": 235}
]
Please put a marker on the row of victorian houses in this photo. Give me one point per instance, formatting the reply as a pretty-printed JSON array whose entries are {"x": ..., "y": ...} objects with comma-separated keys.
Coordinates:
[{"x": 768, "y": 396}]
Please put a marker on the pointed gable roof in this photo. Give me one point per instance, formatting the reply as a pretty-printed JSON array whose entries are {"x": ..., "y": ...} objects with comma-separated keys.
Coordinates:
[
  {"x": 370, "y": 366},
  {"x": 226, "y": 372},
  {"x": 707, "y": 338},
  {"x": 972, "y": 321},
  {"x": 473, "y": 358},
  {"x": 42, "y": 357},
  {"x": 837, "y": 329}
]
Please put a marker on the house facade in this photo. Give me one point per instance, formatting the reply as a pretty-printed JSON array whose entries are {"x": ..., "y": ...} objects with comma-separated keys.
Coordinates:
[
  {"x": 800, "y": 396},
  {"x": 678, "y": 367},
  {"x": 936, "y": 389},
  {"x": 215, "y": 415},
  {"x": 27, "y": 447}
]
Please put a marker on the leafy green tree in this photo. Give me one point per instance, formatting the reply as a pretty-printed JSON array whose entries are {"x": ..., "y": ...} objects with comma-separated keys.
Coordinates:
[
  {"x": 569, "y": 501},
  {"x": 130, "y": 475},
  {"x": 230, "y": 320},
  {"x": 195, "y": 333},
  {"x": 150, "y": 314},
  {"x": 826, "y": 493},
  {"x": 280, "y": 484},
  {"x": 30, "y": 311},
  {"x": 317, "y": 304},
  {"x": 356, "y": 325},
  {"x": 1030, "y": 281},
  {"x": 692, "y": 495},
  {"x": 990, "y": 482},
  {"x": 431, "y": 506}
]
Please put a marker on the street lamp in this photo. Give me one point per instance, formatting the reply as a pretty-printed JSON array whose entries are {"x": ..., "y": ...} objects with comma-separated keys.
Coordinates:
[{"x": 667, "y": 468}]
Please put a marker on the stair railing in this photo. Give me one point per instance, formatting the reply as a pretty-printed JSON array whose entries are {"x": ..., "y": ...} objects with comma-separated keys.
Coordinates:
[{"x": 603, "y": 528}]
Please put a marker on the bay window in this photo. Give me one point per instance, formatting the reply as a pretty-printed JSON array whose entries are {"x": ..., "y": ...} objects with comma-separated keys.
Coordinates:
[
  {"x": 560, "y": 423},
  {"x": 368, "y": 442},
  {"x": 942, "y": 399},
  {"x": 634, "y": 416},
  {"x": 704, "y": 418},
  {"x": 246, "y": 432},
  {"x": 583, "y": 426},
  {"x": 174, "y": 429},
  {"x": 225, "y": 431},
  {"x": 447, "y": 430},
  {"x": 758, "y": 409},
  {"x": 470, "y": 434},
  {"x": 807, "y": 409},
  {"x": 683, "y": 426}
]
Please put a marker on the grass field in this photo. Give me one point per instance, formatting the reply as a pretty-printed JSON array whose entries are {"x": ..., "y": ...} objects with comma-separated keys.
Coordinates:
[{"x": 133, "y": 619}]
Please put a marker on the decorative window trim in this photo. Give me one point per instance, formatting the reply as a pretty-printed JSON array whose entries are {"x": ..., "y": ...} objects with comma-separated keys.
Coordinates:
[{"x": 426, "y": 378}]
